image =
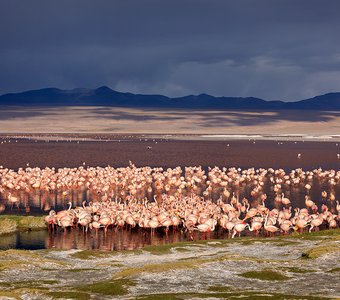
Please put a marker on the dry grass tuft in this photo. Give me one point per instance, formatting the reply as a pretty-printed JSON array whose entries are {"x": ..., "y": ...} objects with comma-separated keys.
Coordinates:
[
  {"x": 31, "y": 222},
  {"x": 320, "y": 251},
  {"x": 7, "y": 226}
]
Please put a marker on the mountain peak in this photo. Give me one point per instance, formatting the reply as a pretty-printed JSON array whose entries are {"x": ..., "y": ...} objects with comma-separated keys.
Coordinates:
[
  {"x": 104, "y": 88},
  {"x": 105, "y": 96},
  {"x": 205, "y": 96}
]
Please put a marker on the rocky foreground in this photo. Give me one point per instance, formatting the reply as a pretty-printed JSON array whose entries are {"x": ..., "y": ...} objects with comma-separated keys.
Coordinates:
[{"x": 303, "y": 266}]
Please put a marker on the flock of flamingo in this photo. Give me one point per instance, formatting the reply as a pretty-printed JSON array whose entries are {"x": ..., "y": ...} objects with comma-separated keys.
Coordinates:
[{"x": 190, "y": 199}]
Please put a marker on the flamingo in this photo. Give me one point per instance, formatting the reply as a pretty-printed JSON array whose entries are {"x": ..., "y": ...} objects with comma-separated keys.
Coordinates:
[
  {"x": 13, "y": 200},
  {"x": 285, "y": 201},
  {"x": 271, "y": 229},
  {"x": 124, "y": 196},
  {"x": 205, "y": 228},
  {"x": 286, "y": 226},
  {"x": 308, "y": 202},
  {"x": 301, "y": 224},
  {"x": 315, "y": 223},
  {"x": 153, "y": 224},
  {"x": 238, "y": 228},
  {"x": 255, "y": 226},
  {"x": 51, "y": 219}
]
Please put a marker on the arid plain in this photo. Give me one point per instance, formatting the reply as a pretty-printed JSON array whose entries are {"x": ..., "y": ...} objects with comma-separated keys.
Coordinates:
[{"x": 151, "y": 121}]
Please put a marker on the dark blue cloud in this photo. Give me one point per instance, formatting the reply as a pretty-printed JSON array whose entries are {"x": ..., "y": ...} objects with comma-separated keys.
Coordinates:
[{"x": 284, "y": 49}]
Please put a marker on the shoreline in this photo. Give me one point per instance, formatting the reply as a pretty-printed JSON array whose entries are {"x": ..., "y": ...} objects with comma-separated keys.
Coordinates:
[
  {"x": 112, "y": 137},
  {"x": 158, "y": 122},
  {"x": 279, "y": 267},
  {"x": 70, "y": 150}
]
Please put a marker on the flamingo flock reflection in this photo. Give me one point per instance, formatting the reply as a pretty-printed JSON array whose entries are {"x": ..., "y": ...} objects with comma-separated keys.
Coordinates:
[{"x": 188, "y": 200}]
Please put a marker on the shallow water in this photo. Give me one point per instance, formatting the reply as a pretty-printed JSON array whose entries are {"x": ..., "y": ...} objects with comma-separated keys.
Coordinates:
[
  {"x": 279, "y": 153},
  {"x": 114, "y": 240},
  {"x": 39, "y": 203},
  {"x": 28, "y": 240}
]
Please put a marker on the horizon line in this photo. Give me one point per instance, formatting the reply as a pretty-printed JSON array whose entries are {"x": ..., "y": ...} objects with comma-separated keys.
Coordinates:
[{"x": 158, "y": 94}]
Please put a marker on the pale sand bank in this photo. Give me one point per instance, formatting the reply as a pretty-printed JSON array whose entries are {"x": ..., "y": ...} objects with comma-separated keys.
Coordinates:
[
  {"x": 310, "y": 125},
  {"x": 128, "y": 137}
]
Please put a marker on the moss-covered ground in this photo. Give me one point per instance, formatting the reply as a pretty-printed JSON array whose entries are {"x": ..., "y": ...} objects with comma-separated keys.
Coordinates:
[
  {"x": 11, "y": 223},
  {"x": 283, "y": 267}
]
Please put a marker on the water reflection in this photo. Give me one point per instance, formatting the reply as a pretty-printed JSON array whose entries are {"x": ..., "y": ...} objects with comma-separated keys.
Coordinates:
[
  {"x": 113, "y": 240},
  {"x": 37, "y": 198},
  {"x": 29, "y": 240},
  {"x": 39, "y": 202}
]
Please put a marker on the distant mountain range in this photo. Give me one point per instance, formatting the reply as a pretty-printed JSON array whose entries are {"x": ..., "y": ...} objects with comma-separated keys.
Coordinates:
[{"x": 104, "y": 96}]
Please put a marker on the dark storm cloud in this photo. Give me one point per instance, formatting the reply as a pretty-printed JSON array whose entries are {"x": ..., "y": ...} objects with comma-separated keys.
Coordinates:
[{"x": 285, "y": 49}]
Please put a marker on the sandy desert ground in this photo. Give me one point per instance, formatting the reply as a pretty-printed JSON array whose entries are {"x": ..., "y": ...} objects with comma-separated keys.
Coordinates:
[{"x": 151, "y": 121}]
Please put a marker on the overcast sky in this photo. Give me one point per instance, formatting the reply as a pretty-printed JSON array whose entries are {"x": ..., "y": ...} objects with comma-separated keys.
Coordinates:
[{"x": 273, "y": 49}]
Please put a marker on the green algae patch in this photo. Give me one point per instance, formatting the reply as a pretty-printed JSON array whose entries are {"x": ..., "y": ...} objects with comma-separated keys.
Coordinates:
[
  {"x": 321, "y": 234},
  {"x": 296, "y": 270},
  {"x": 264, "y": 275},
  {"x": 31, "y": 222},
  {"x": 182, "y": 249},
  {"x": 220, "y": 288},
  {"x": 5, "y": 284},
  {"x": 111, "y": 263},
  {"x": 185, "y": 246},
  {"x": 334, "y": 270},
  {"x": 118, "y": 287},
  {"x": 168, "y": 248},
  {"x": 319, "y": 251},
  {"x": 159, "y": 249},
  {"x": 69, "y": 295}
]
